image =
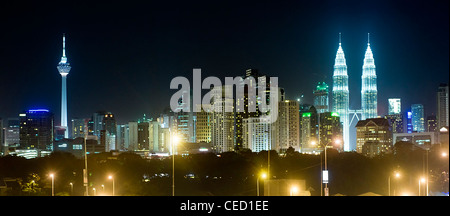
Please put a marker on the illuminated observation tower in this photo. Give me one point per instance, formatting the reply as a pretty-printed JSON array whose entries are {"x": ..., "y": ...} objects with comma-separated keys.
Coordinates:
[{"x": 64, "y": 68}]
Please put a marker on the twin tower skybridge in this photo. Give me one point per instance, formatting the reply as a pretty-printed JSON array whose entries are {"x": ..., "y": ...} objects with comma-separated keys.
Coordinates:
[{"x": 340, "y": 92}]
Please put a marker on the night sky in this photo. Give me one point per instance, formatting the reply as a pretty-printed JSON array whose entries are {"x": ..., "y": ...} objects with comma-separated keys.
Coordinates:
[{"x": 124, "y": 54}]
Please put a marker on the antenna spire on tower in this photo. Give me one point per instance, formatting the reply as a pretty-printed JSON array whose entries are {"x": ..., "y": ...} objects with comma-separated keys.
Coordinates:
[
  {"x": 64, "y": 44},
  {"x": 339, "y": 38},
  {"x": 368, "y": 38}
]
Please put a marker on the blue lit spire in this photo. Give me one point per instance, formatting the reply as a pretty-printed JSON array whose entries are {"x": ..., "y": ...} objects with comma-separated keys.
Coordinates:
[
  {"x": 340, "y": 93},
  {"x": 369, "y": 85}
]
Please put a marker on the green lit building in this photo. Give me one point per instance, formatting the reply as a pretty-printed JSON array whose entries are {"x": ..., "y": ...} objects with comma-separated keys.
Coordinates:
[
  {"x": 321, "y": 97},
  {"x": 308, "y": 128}
]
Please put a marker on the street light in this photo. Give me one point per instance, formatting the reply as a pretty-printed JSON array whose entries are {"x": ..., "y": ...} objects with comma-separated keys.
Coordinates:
[
  {"x": 336, "y": 141},
  {"x": 262, "y": 176},
  {"x": 95, "y": 192},
  {"x": 293, "y": 190},
  {"x": 396, "y": 175},
  {"x": 71, "y": 188},
  {"x": 111, "y": 178},
  {"x": 421, "y": 180},
  {"x": 53, "y": 183},
  {"x": 175, "y": 139}
]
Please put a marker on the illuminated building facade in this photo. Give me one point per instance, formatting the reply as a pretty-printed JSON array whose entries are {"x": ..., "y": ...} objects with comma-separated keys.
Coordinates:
[
  {"x": 330, "y": 129},
  {"x": 78, "y": 127},
  {"x": 431, "y": 124},
  {"x": 36, "y": 129},
  {"x": 109, "y": 123},
  {"x": 143, "y": 136},
  {"x": 257, "y": 134},
  {"x": 395, "y": 106},
  {"x": 373, "y": 136},
  {"x": 418, "y": 118},
  {"x": 321, "y": 97},
  {"x": 222, "y": 130},
  {"x": 64, "y": 69},
  {"x": 396, "y": 122},
  {"x": 369, "y": 86},
  {"x": 286, "y": 128},
  {"x": 409, "y": 125},
  {"x": 341, "y": 93},
  {"x": 203, "y": 128},
  {"x": 308, "y": 128}
]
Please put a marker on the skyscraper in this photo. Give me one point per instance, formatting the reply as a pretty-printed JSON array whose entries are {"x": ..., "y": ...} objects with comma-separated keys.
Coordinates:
[
  {"x": 409, "y": 124},
  {"x": 395, "y": 116},
  {"x": 431, "y": 123},
  {"x": 204, "y": 122},
  {"x": 78, "y": 127},
  {"x": 330, "y": 129},
  {"x": 395, "y": 106},
  {"x": 418, "y": 118},
  {"x": 442, "y": 106},
  {"x": 36, "y": 129},
  {"x": 222, "y": 127},
  {"x": 341, "y": 94},
  {"x": 64, "y": 69},
  {"x": 321, "y": 97},
  {"x": 308, "y": 128},
  {"x": 369, "y": 86},
  {"x": 286, "y": 128}
]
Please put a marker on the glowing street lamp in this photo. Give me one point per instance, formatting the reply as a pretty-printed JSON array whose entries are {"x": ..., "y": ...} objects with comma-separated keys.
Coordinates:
[
  {"x": 175, "y": 139},
  {"x": 53, "y": 183},
  {"x": 421, "y": 180},
  {"x": 337, "y": 142},
  {"x": 71, "y": 188},
  {"x": 293, "y": 190},
  {"x": 396, "y": 175},
  {"x": 95, "y": 191},
  {"x": 262, "y": 176},
  {"x": 110, "y": 177}
]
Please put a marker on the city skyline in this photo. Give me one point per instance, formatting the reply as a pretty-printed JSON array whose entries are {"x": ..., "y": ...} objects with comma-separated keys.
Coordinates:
[
  {"x": 201, "y": 98},
  {"x": 94, "y": 80}
]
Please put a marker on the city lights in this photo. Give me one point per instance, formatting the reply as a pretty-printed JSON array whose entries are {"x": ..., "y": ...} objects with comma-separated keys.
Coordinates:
[{"x": 248, "y": 99}]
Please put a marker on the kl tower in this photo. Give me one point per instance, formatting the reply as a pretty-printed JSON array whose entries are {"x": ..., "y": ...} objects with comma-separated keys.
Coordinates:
[{"x": 64, "y": 68}]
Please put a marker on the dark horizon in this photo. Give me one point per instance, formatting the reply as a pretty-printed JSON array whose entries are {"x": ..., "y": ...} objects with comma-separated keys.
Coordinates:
[{"x": 124, "y": 56}]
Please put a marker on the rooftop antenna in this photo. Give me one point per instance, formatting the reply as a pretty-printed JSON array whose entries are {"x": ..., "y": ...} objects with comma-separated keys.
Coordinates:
[{"x": 339, "y": 38}]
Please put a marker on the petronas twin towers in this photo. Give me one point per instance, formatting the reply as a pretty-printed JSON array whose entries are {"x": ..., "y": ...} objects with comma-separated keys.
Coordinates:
[{"x": 340, "y": 92}]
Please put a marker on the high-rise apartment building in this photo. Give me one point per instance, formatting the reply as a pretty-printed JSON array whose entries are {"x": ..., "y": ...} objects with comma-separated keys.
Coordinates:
[
  {"x": 222, "y": 130},
  {"x": 79, "y": 126},
  {"x": 432, "y": 124},
  {"x": 308, "y": 128},
  {"x": 330, "y": 130},
  {"x": 418, "y": 118},
  {"x": 395, "y": 122},
  {"x": 442, "y": 106},
  {"x": 36, "y": 129},
  {"x": 203, "y": 126}
]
